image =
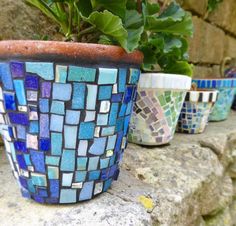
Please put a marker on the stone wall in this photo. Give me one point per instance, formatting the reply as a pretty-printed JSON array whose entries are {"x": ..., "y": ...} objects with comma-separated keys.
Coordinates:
[{"x": 214, "y": 37}]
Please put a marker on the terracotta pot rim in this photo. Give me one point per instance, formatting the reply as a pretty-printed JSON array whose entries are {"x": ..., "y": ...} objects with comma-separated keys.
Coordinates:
[{"x": 67, "y": 51}]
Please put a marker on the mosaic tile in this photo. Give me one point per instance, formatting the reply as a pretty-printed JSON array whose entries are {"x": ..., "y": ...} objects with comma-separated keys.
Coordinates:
[{"x": 67, "y": 123}]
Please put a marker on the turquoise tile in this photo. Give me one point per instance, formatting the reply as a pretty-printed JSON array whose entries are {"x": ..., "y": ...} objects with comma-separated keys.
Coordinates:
[
  {"x": 52, "y": 160},
  {"x": 107, "y": 185},
  {"x": 80, "y": 176},
  {"x": 39, "y": 179},
  {"x": 61, "y": 73},
  {"x": 102, "y": 119},
  {"x": 82, "y": 163},
  {"x": 81, "y": 74},
  {"x": 30, "y": 186},
  {"x": 104, "y": 163},
  {"x": 27, "y": 159},
  {"x": 86, "y": 130},
  {"x": 72, "y": 117},
  {"x": 122, "y": 80},
  {"x": 87, "y": 191},
  {"x": 56, "y": 123},
  {"x": 56, "y": 143},
  {"x": 129, "y": 108},
  {"x": 93, "y": 163},
  {"x": 70, "y": 136},
  {"x": 68, "y": 196},
  {"x": 113, "y": 114},
  {"x": 20, "y": 91},
  {"x": 44, "y": 105},
  {"x": 107, "y": 76},
  {"x": 134, "y": 76},
  {"x": 105, "y": 92},
  {"x": 58, "y": 107},
  {"x": 122, "y": 110},
  {"x": 91, "y": 97},
  {"x": 98, "y": 146},
  {"x": 68, "y": 160},
  {"x": 94, "y": 175},
  {"x": 78, "y": 99},
  {"x": 67, "y": 179},
  {"x": 44, "y": 70},
  {"x": 108, "y": 131},
  {"x": 61, "y": 91},
  {"x": 34, "y": 127},
  {"x": 111, "y": 142},
  {"x": 53, "y": 172}
]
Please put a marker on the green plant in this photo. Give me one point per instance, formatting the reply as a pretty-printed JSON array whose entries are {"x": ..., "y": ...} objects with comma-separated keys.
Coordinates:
[
  {"x": 213, "y": 4},
  {"x": 131, "y": 24}
]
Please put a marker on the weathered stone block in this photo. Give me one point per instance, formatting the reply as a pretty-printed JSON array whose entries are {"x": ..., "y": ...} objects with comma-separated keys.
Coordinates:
[
  {"x": 198, "y": 7},
  {"x": 230, "y": 47},
  {"x": 202, "y": 71}
]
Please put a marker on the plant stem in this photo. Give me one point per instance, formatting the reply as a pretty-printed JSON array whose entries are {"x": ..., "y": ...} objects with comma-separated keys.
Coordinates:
[
  {"x": 70, "y": 10},
  {"x": 86, "y": 31}
]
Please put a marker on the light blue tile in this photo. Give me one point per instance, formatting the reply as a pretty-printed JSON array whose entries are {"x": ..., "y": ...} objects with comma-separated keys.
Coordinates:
[
  {"x": 53, "y": 172},
  {"x": 82, "y": 149},
  {"x": 102, "y": 119},
  {"x": 5, "y": 76},
  {"x": 44, "y": 105},
  {"x": 21, "y": 132},
  {"x": 56, "y": 143},
  {"x": 93, "y": 163},
  {"x": 72, "y": 117},
  {"x": 80, "y": 176},
  {"x": 81, "y": 74},
  {"x": 86, "y": 192},
  {"x": 78, "y": 99},
  {"x": 56, "y": 123},
  {"x": 20, "y": 92},
  {"x": 107, "y": 76},
  {"x": 68, "y": 160},
  {"x": 44, "y": 70},
  {"x": 61, "y": 73},
  {"x": 34, "y": 127},
  {"x": 105, "y": 92},
  {"x": 39, "y": 179},
  {"x": 62, "y": 91},
  {"x": 111, "y": 142},
  {"x": 70, "y": 136},
  {"x": 58, "y": 107},
  {"x": 134, "y": 76},
  {"x": 91, "y": 97},
  {"x": 68, "y": 196},
  {"x": 86, "y": 130},
  {"x": 82, "y": 163},
  {"x": 122, "y": 80},
  {"x": 44, "y": 126},
  {"x": 67, "y": 179},
  {"x": 113, "y": 114},
  {"x": 90, "y": 116},
  {"x": 98, "y": 146},
  {"x": 52, "y": 160},
  {"x": 104, "y": 163},
  {"x": 94, "y": 175},
  {"x": 108, "y": 131},
  {"x": 27, "y": 160}
]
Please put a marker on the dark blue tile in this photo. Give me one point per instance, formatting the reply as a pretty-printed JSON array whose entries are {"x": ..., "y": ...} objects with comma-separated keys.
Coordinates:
[
  {"x": 32, "y": 82},
  {"x": 20, "y": 146},
  {"x": 54, "y": 188},
  {"x": 23, "y": 182},
  {"x": 116, "y": 97},
  {"x": 42, "y": 192},
  {"x": 17, "y": 69},
  {"x": 44, "y": 144},
  {"x": 38, "y": 160},
  {"x": 19, "y": 118},
  {"x": 128, "y": 94},
  {"x": 10, "y": 101},
  {"x": 21, "y": 162},
  {"x": 38, "y": 199}
]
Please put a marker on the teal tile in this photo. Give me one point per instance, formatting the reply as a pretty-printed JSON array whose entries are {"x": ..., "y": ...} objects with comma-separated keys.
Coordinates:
[
  {"x": 61, "y": 74},
  {"x": 93, "y": 163},
  {"x": 27, "y": 159},
  {"x": 67, "y": 179},
  {"x": 44, "y": 70},
  {"x": 102, "y": 119},
  {"x": 56, "y": 143},
  {"x": 104, "y": 163},
  {"x": 78, "y": 99},
  {"x": 52, "y": 160},
  {"x": 80, "y": 176},
  {"x": 53, "y": 172},
  {"x": 107, "y": 76},
  {"x": 81, "y": 74},
  {"x": 108, "y": 131},
  {"x": 30, "y": 186},
  {"x": 82, "y": 163},
  {"x": 72, "y": 117},
  {"x": 58, "y": 107},
  {"x": 39, "y": 179},
  {"x": 134, "y": 76},
  {"x": 86, "y": 130},
  {"x": 68, "y": 196},
  {"x": 91, "y": 97},
  {"x": 70, "y": 136},
  {"x": 20, "y": 91},
  {"x": 34, "y": 127},
  {"x": 86, "y": 192},
  {"x": 68, "y": 160},
  {"x": 122, "y": 80},
  {"x": 105, "y": 92},
  {"x": 94, "y": 175}
]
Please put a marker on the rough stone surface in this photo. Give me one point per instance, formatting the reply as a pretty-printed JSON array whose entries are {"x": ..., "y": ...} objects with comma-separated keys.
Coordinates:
[
  {"x": 187, "y": 183},
  {"x": 230, "y": 47},
  {"x": 198, "y": 7}
]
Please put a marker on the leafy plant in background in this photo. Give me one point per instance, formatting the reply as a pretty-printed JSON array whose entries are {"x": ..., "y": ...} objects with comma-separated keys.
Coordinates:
[
  {"x": 213, "y": 4},
  {"x": 159, "y": 34}
]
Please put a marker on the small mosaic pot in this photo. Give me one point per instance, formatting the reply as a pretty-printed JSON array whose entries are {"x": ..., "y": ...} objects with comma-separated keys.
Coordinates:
[
  {"x": 226, "y": 88},
  {"x": 65, "y": 111},
  {"x": 195, "y": 112},
  {"x": 156, "y": 112}
]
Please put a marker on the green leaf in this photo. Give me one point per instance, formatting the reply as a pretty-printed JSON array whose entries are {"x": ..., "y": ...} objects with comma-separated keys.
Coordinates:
[
  {"x": 180, "y": 67},
  {"x": 131, "y": 4},
  {"x": 152, "y": 8},
  {"x": 85, "y": 7},
  {"x": 110, "y": 25},
  {"x": 134, "y": 36},
  {"x": 133, "y": 19}
]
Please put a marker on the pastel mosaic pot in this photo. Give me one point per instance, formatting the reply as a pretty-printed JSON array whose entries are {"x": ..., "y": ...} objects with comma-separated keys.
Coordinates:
[
  {"x": 156, "y": 112},
  {"x": 195, "y": 112},
  {"x": 226, "y": 88},
  {"x": 65, "y": 112}
]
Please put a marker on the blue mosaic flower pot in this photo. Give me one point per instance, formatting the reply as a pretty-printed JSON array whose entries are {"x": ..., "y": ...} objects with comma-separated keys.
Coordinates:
[
  {"x": 226, "y": 88},
  {"x": 64, "y": 112},
  {"x": 231, "y": 73}
]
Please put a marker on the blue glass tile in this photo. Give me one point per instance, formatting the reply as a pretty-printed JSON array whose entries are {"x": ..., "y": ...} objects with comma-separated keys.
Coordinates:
[
  {"x": 81, "y": 74},
  {"x": 44, "y": 125},
  {"x": 105, "y": 92},
  {"x": 34, "y": 127},
  {"x": 86, "y": 130},
  {"x": 126, "y": 125},
  {"x": 112, "y": 160},
  {"x": 72, "y": 117},
  {"x": 129, "y": 108},
  {"x": 45, "y": 144},
  {"x": 119, "y": 124},
  {"x": 62, "y": 91},
  {"x": 102, "y": 119},
  {"x": 61, "y": 73},
  {"x": 44, "y": 70},
  {"x": 214, "y": 84},
  {"x": 32, "y": 82},
  {"x": 10, "y": 132},
  {"x": 23, "y": 182},
  {"x": 67, "y": 179},
  {"x": 46, "y": 89},
  {"x": 54, "y": 188},
  {"x": 5, "y": 76},
  {"x": 134, "y": 76},
  {"x": 31, "y": 187},
  {"x": 80, "y": 176},
  {"x": 42, "y": 192},
  {"x": 122, "y": 80},
  {"x": 20, "y": 92},
  {"x": 44, "y": 105},
  {"x": 82, "y": 163},
  {"x": 98, "y": 146},
  {"x": 18, "y": 118},
  {"x": 91, "y": 97},
  {"x": 56, "y": 123},
  {"x": 104, "y": 163},
  {"x": 78, "y": 100},
  {"x": 17, "y": 69},
  {"x": 25, "y": 193},
  {"x": 21, "y": 132},
  {"x": 27, "y": 160},
  {"x": 113, "y": 114},
  {"x": 86, "y": 192},
  {"x": 122, "y": 110},
  {"x": 119, "y": 141},
  {"x": 111, "y": 142},
  {"x": 9, "y": 101},
  {"x": 21, "y": 162},
  {"x": 38, "y": 199},
  {"x": 38, "y": 161},
  {"x": 68, "y": 196},
  {"x": 107, "y": 76},
  {"x": 52, "y": 160},
  {"x": 70, "y": 136},
  {"x": 128, "y": 94},
  {"x": 56, "y": 145},
  {"x": 20, "y": 146},
  {"x": 39, "y": 179},
  {"x": 104, "y": 174},
  {"x": 53, "y": 173},
  {"x": 94, "y": 175},
  {"x": 117, "y": 97},
  {"x": 107, "y": 131},
  {"x": 68, "y": 160},
  {"x": 82, "y": 149},
  {"x": 93, "y": 163},
  {"x": 58, "y": 107}
]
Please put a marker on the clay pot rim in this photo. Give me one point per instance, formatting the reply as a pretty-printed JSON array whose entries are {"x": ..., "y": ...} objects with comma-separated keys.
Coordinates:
[{"x": 67, "y": 51}]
